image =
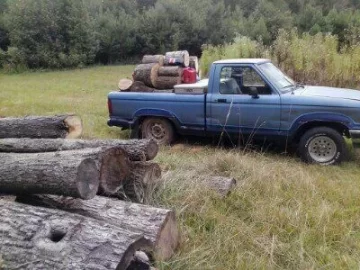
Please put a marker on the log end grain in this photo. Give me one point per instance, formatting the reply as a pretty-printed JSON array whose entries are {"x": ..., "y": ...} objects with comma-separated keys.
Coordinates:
[
  {"x": 88, "y": 179},
  {"x": 74, "y": 126},
  {"x": 168, "y": 238},
  {"x": 125, "y": 84}
]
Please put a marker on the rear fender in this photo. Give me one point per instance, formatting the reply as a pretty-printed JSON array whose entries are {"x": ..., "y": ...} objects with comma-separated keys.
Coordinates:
[{"x": 144, "y": 113}]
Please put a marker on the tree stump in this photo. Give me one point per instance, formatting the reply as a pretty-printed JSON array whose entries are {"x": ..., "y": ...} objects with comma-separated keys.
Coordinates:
[
  {"x": 158, "y": 225},
  {"x": 61, "y": 126},
  {"x": 40, "y": 238},
  {"x": 136, "y": 150}
]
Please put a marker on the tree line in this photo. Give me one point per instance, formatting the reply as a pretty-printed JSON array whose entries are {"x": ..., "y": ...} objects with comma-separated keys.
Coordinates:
[{"x": 71, "y": 33}]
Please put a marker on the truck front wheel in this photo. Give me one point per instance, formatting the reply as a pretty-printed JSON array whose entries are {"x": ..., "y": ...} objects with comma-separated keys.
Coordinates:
[
  {"x": 322, "y": 145},
  {"x": 158, "y": 129}
]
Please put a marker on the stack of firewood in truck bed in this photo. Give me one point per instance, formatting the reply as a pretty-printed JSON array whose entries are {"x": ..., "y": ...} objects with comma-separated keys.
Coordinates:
[
  {"x": 59, "y": 199},
  {"x": 162, "y": 72}
]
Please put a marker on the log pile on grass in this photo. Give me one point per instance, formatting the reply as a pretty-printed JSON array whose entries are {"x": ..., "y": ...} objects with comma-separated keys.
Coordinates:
[{"x": 62, "y": 185}]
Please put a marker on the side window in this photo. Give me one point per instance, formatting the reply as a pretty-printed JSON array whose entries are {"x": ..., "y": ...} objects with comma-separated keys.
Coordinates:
[{"x": 237, "y": 80}]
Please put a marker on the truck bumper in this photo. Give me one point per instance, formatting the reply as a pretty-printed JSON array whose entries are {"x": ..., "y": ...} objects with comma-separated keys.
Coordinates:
[
  {"x": 355, "y": 137},
  {"x": 119, "y": 122}
]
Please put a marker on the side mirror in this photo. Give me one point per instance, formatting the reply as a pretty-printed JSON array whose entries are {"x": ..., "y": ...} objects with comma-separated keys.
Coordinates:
[{"x": 254, "y": 92}]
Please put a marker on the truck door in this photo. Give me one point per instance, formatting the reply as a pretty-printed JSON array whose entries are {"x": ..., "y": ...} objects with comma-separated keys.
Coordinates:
[{"x": 233, "y": 107}]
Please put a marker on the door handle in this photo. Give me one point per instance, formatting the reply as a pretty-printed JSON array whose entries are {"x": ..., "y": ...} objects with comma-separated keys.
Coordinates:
[{"x": 221, "y": 100}]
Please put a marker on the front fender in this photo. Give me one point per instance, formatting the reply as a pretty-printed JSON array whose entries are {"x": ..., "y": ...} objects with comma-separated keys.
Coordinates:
[{"x": 321, "y": 118}]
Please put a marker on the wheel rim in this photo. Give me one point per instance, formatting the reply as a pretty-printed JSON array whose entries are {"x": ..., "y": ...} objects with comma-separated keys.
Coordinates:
[
  {"x": 322, "y": 149},
  {"x": 158, "y": 131}
]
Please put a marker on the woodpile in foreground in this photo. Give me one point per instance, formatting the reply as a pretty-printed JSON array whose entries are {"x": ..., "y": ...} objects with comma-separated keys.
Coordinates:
[
  {"x": 158, "y": 72},
  {"x": 61, "y": 218}
]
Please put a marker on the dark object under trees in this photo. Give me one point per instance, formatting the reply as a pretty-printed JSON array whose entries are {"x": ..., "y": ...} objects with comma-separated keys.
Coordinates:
[
  {"x": 136, "y": 150},
  {"x": 40, "y": 238},
  {"x": 61, "y": 126},
  {"x": 158, "y": 225}
]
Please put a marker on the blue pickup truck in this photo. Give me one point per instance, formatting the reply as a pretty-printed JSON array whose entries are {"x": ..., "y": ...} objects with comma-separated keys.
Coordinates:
[{"x": 247, "y": 98}]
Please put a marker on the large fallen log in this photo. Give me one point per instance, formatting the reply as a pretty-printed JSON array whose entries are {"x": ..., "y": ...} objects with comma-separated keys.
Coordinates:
[
  {"x": 148, "y": 59},
  {"x": 181, "y": 58},
  {"x": 39, "y": 238},
  {"x": 137, "y": 150},
  {"x": 158, "y": 225},
  {"x": 146, "y": 73},
  {"x": 138, "y": 86},
  {"x": 141, "y": 182},
  {"x": 166, "y": 82},
  {"x": 71, "y": 173},
  {"x": 171, "y": 71},
  {"x": 61, "y": 126}
]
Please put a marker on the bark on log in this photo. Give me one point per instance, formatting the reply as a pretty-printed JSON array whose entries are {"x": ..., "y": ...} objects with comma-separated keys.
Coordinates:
[
  {"x": 38, "y": 238},
  {"x": 138, "y": 86},
  {"x": 71, "y": 173},
  {"x": 146, "y": 73},
  {"x": 170, "y": 71},
  {"x": 222, "y": 185},
  {"x": 62, "y": 126},
  {"x": 194, "y": 63},
  {"x": 167, "y": 82},
  {"x": 157, "y": 225},
  {"x": 177, "y": 58},
  {"x": 149, "y": 59},
  {"x": 141, "y": 182},
  {"x": 137, "y": 150},
  {"x": 125, "y": 84}
]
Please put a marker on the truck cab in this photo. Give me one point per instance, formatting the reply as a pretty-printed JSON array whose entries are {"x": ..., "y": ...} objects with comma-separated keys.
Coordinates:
[{"x": 247, "y": 98}]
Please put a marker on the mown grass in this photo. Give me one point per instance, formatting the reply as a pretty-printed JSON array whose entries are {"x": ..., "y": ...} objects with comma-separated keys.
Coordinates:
[{"x": 283, "y": 215}]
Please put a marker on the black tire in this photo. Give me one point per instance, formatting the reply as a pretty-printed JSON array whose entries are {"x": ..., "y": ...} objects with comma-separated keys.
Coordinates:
[
  {"x": 322, "y": 145},
  {"x": 158, "y": 129}
]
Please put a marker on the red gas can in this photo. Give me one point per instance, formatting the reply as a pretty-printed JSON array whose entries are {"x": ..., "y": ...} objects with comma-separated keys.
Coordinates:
[{"x": 189, "y": 75}]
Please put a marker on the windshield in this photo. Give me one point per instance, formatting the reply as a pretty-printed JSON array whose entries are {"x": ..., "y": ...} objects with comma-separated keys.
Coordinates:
[{"x": 277, "y": 77}]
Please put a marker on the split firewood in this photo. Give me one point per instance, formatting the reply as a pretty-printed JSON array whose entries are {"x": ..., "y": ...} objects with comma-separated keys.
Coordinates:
[
  {"x": 158, "y": 225},
  {"x": 137, "y": 150},
  {"x": 125, "y": 84},
  {"x": 39, "y": 238},
  {"x": 181, "y": 58},
  {"x": 61, "y": 126},
  {"x": 148, "y": 59},
  {"x": 141, "y": 182},
  {"x": 146, "y": 73},
  {"x": 71, "y": 173},
  {"x": 222, "y": 185}
]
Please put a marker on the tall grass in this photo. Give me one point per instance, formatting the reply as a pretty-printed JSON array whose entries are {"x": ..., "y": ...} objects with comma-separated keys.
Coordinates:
[{"x": 315, "y": 60}]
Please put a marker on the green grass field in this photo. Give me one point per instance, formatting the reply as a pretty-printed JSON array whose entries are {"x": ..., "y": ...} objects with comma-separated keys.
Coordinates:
[{"x": 283, "y": 215}]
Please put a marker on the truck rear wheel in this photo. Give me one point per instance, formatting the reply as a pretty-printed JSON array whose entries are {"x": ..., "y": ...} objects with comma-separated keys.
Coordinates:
[
  {"x": 322, "y": 145},
  {"x": 158, "y": 129}
]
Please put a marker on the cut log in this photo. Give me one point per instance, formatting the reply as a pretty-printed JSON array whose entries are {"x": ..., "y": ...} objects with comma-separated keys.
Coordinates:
[
  {"x": 222, "y": 185},
  {"x": 61, "y": 126},
  {"x": 146, "y": 73},
  {"x": 170, "y": 71},
  {"x": 137, "y": 150},
  {"x": 167, "y": 82},
  {"x": 194, "y": 63},
  {"x": 158, "y": 225},
  {"x": 70, "y": 173},
  {"x": 141, "y": 182},
  {"x": 138, "y": 86},
  {"x": 177, "y": 58},
  {"x": 125, "y": 84},
  {"x": 149, "y": 59},
  {"x": 39, "y": 238}
]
